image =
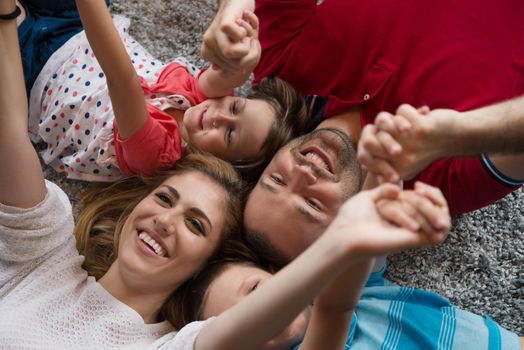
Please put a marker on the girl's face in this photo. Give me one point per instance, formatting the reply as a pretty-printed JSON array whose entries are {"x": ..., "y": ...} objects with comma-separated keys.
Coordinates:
[
  {"x": 231, "y": 127},
  {"x": 234, "y": 284},
  {"x": 171, "y": 233}
]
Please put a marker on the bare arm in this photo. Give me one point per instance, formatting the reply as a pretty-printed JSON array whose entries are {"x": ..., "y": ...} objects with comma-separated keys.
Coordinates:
[
  {"x": 124, "y": 87},
  {"x": 403, "y": 145},
  {"x": 279, "y": 300},
  {"x": 21, "y": 179},
  {"x": 333, "y": 309}
]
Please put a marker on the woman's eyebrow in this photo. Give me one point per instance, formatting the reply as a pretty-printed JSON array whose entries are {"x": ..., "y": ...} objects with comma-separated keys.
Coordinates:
[{"x": 173, "y": 191}]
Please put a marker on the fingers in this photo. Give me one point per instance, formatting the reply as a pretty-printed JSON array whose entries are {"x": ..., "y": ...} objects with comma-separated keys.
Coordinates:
[
  {"x": 385, "y": 191},
  {"x": 373, "y": 156},
  {"x": 397, "y": 215},
  {"x": 421, "y": 209},
  {"x": 433, "y": 194},
  {"x": 249, "y": 22}
]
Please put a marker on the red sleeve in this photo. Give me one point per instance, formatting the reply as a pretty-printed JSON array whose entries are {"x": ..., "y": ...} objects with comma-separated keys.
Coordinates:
[
  {"x": 466, "y": 184},
  {"x": 280, "y": 22},
  {"x": 157, "y": 145},
  {"x": 176, "y": 80}
]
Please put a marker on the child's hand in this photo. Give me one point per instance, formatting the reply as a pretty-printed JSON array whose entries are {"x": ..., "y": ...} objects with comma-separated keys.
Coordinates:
[
  {"x": 227, "y": 41},
  {"x": 359, "y": 228},
  {"x": 424, "y": 210}
]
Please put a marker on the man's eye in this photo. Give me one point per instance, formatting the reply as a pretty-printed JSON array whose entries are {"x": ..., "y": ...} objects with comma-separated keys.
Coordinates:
[
  {"x": 163, "y": 197},
  {"x": 196, "y": 224},
  {"x": 277, "y": 179},
  {"x": 313, "y": 203}
]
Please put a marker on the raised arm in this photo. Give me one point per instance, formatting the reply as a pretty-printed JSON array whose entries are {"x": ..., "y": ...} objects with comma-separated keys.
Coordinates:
[
  {"x": 21, "y": 177},
  {"x": 357, "y": 234},
  {"x": 403, "y": 145},
  {"x": 124, "y": 87}
]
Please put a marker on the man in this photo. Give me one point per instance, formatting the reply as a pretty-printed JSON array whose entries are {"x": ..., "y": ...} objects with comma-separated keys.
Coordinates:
[{"x": 374, "y": 55}]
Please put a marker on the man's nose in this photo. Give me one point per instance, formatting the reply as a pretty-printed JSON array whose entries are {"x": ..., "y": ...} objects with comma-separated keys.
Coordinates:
[{"x": 305, "y": 175}]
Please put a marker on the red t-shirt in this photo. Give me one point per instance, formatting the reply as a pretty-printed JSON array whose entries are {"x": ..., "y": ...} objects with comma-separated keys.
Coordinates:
[
  {"x": 158, "y": 144},
  {"x": 378, "y": 54}
]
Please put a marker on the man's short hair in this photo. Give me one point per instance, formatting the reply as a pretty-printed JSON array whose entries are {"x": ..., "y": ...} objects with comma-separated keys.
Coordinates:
[{"x": 270, "y": 255}]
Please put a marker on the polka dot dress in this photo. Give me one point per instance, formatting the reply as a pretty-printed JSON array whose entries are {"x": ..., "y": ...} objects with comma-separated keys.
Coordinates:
[{"x": 71, "y": 111}]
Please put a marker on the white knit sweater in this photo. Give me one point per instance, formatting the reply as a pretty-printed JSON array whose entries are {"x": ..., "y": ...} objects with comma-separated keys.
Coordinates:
[{"x": 47, "y": 301}]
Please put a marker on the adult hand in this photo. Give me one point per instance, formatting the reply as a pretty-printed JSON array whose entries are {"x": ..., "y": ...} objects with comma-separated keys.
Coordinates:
[
  {"x": 359, "y": 226},
  {"x": 399, "y": 147},
  {"x": 228, "y": 40},
  {"x": 424, "y": 210}
]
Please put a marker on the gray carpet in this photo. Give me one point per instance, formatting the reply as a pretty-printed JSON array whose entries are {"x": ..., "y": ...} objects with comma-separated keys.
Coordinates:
[{"x": 479, "y": 268}]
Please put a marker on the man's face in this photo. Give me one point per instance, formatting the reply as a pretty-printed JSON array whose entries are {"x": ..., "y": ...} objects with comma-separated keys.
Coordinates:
[{"x": 302, "y": 189}]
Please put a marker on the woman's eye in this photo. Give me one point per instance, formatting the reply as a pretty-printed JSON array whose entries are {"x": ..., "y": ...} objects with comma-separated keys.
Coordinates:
[
  {"x": 277, "y": 179},
  {"x": 196, "y": 225},
  {"x": 254, "y": 286},
  {"x": 163, "y": 197},
  {"x": 313, "y": 203}
]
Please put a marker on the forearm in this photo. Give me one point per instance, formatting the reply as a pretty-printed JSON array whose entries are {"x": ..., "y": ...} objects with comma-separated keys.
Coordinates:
[
  {"x": 218, "y": 82},
  {"x": 498, "y": 128},
  {"x": 333, "y": 309},
  {"x": 123, "y": 84},
  {"x": 21, "y": 178}
]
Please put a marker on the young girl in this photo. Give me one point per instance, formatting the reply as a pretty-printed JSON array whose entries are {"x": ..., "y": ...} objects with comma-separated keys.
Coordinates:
[{"x": 101, "y": 121}]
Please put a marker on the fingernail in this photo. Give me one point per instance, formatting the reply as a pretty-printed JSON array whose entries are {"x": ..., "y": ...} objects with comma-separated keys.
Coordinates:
[{"x": 441, "y": 223}]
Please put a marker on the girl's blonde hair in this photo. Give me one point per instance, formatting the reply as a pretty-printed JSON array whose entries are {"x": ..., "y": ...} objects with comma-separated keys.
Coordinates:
[{"x": 105, "y": 209}]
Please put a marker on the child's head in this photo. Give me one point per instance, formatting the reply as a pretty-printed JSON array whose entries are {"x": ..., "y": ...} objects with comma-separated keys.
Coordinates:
[
  {"x": 247, "y": 131},
  {"x": 224, "y": 283}
]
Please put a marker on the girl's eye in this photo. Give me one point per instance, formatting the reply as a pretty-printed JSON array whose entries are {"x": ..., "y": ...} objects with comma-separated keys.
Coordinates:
[
  {"x": 229, "y": 136},
  {"x": 163, "y": 197},
  {"x": 313, "y": 203},
  {"x": 233, "y": 107},
  {"x": 254, "y": 286},
  {"x": 277, "y": 179},
  {"x": 196, "y": 224}
]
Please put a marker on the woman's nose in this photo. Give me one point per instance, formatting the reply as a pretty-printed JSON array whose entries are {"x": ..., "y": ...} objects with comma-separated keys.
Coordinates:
[{"x": 165, "y": 223}]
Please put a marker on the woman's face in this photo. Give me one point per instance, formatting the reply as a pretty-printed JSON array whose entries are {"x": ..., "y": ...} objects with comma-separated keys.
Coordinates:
[
  {"x": 171, "y": 233},
  {"x": 234, "y": 284},
  {"x": 231, "y": 127}
]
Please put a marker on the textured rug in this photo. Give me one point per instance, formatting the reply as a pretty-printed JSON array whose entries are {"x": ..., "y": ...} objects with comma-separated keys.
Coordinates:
[{"x": 480, "y": 267}]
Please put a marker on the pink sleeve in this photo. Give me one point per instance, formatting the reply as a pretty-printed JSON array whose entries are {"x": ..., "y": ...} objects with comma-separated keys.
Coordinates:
[
  {"x": 175, "y": 79},
  {"x": 157, "y": 145},
  {"x": 465, "y": 182},
  {"x": 280, "y": 22}
]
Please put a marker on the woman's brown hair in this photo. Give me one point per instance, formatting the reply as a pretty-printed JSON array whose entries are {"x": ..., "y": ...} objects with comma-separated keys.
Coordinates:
[
  {"x": 105, "y": 209},
  {"x": 291, "y": 117}
]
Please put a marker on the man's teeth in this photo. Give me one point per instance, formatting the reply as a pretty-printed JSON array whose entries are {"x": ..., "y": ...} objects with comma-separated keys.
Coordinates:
[
  {"x": 317, "y": 160},
  {"x": 152, "y": 243}
]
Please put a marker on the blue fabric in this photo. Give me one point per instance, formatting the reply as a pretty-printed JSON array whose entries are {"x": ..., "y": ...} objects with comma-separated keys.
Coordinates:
[
  {"x": 47, "y": 26},
  {"x": 390, "y": 317}
]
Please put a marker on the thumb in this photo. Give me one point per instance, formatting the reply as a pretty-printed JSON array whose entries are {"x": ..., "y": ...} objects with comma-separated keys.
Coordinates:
[{"x": 385, "y": 191}]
